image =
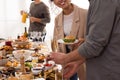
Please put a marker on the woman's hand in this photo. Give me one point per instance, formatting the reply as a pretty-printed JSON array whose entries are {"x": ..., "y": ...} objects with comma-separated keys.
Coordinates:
[
  {"x": 76, "y": 45},
  {"x": 34, "y": 19},
  {"x": 21, "y": 12}
]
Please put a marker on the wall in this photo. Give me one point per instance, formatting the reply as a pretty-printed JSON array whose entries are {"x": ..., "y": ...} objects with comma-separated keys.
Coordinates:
[{"x": 10, "y": 18}]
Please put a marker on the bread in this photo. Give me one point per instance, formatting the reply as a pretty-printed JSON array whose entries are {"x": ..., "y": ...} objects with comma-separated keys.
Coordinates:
[
  {"x": 69, "y": 39},
  {"x": 12, "y": 78}
]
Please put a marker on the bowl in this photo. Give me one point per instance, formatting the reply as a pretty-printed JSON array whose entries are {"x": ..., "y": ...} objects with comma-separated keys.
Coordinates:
[
  {"x": 49, "y": 65},
  {"x": 36, "y": 70}
]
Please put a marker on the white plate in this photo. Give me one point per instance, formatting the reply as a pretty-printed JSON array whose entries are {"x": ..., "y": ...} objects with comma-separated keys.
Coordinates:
[
  {"x": 39, "y": 79},
  {"x": 61, "y": 41},
  {"x": 19, "y": 53}
]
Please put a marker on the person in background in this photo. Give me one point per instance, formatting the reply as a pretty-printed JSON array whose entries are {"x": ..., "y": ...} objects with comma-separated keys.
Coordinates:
[
  {"x": 101, "y": 48},
  {"x": 70, "y": 22},
  {"x": 39, "y": 15}
]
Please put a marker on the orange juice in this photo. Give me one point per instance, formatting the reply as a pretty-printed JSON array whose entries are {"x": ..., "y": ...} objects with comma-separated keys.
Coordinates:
[{"x": 24, "y": 16}]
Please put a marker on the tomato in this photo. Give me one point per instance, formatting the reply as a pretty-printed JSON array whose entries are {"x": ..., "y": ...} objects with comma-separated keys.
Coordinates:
[{"x": 48, "y": 64}]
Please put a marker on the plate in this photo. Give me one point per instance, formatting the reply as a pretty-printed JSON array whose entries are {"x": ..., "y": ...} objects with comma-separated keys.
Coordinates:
[
  {"x": 21, "y": 42},
  {"x": 39, "y": 79},
  {"x": 62, "y": 42},
  {"x": 19, "y": 53}
]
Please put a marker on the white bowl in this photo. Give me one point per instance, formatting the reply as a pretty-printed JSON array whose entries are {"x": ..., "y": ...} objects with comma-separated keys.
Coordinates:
[
  {"x": 51, "y": 63},
  {"x": 36, "y": 70}
]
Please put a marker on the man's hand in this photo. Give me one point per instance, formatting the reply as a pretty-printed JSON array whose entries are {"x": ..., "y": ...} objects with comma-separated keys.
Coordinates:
[
  {"x": 70, "y": 69},
  {"x": 58, "y": 57}
]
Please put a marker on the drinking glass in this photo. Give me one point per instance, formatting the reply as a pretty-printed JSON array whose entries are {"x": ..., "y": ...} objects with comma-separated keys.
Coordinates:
[
  {"x": 24, "y": 16},
  {"x": 54, "y": 45},
  {"x": 43, "y": 36},
  {"x": 39, "y": 36},
  {"x": 33, "y": 35}
]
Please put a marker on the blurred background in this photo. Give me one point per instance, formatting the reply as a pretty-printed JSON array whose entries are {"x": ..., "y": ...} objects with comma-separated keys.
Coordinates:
[{"x": 10, "y": 18}]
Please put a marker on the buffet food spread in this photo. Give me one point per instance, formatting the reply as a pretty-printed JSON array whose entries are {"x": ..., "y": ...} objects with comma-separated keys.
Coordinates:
[{"x": 25, "y": 60}]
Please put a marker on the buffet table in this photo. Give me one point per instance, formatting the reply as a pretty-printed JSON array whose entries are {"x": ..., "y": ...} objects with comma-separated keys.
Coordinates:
[{"x": 25, "y": 60}]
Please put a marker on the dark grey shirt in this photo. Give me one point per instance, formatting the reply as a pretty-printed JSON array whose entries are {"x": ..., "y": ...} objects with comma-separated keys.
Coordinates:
[
  {"x": 39, "y": 11},
  {"x": 102, "y": 44}
]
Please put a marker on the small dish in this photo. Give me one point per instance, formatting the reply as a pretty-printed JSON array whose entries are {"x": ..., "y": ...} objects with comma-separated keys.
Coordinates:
[
  {"x": 49, "y": 65},
  {"x": 36, "y": 70}
]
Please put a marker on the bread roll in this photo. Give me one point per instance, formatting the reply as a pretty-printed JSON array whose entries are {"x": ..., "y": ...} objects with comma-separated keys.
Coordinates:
[{"x": 69, "y": 39}]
